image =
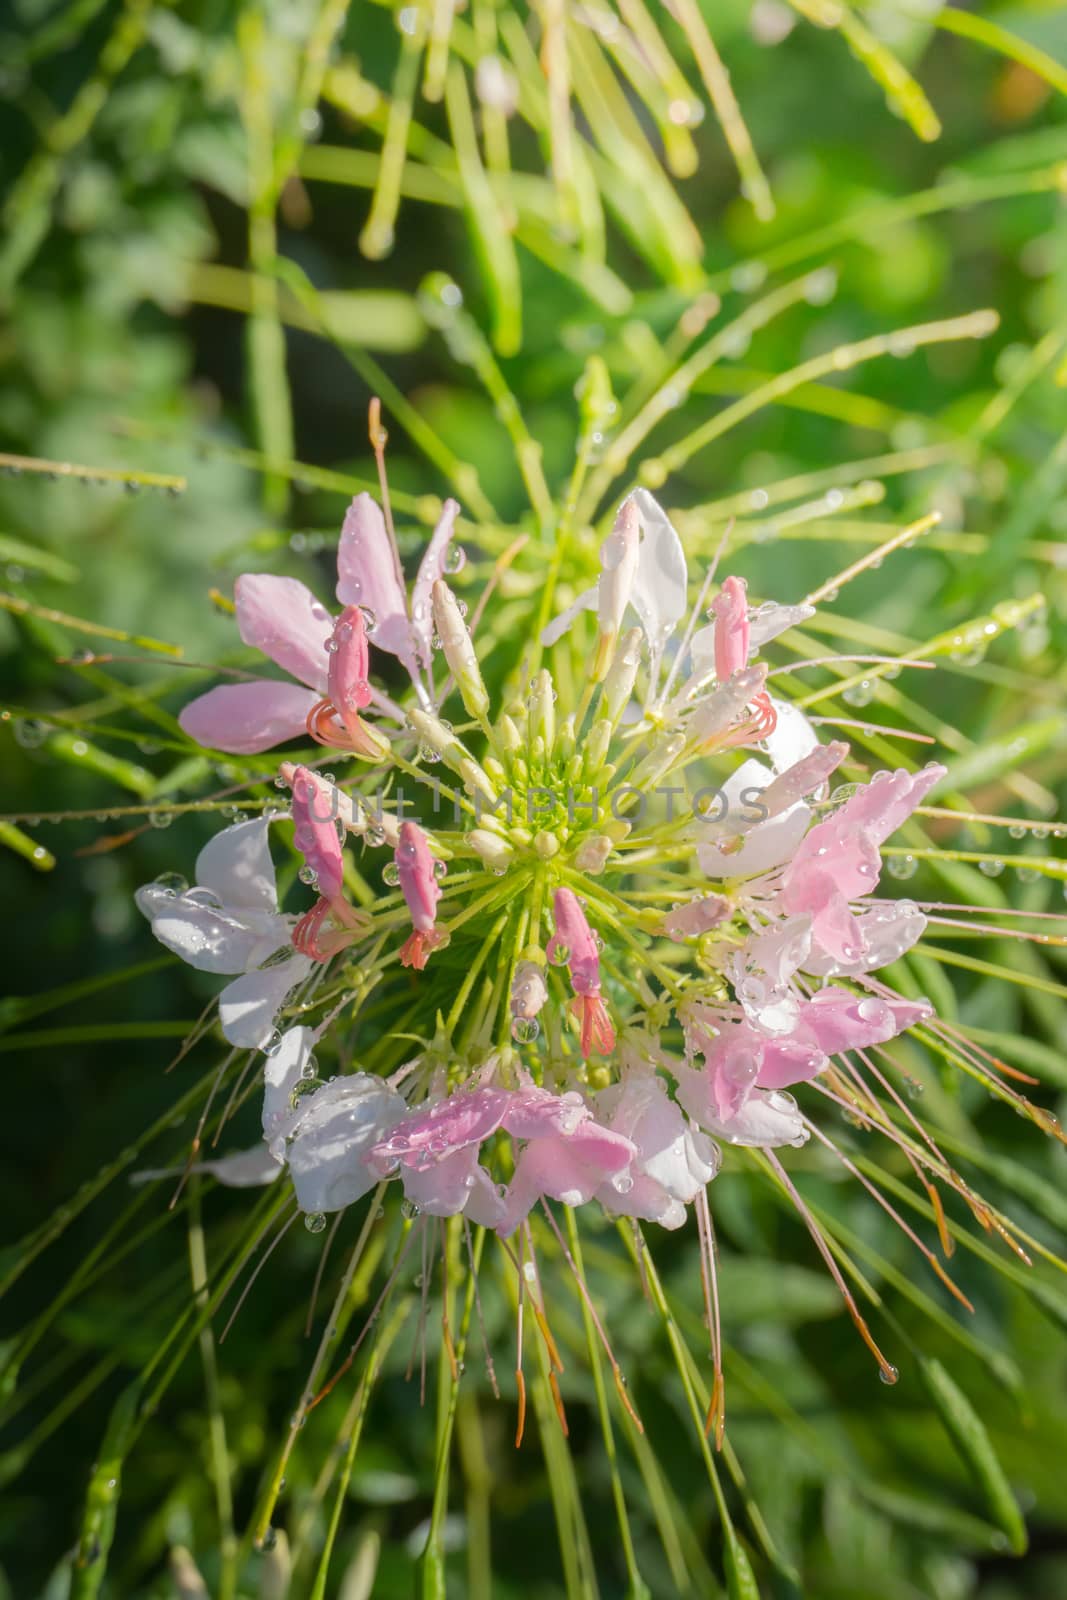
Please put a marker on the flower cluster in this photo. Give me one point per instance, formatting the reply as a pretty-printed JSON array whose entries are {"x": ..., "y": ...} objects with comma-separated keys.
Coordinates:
[{"x": 629, "y": 983}]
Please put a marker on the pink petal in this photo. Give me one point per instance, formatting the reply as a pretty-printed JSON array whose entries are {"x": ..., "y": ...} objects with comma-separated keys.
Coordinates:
[
  {"x": 566, "y": 1169},
  {"x": 838, "y": 1020},
  {"x": 443, "y": 1188},
  {"x": 431, "y": 568},
  {"x": 245, "y": 718},
  {"x": 369, "y": 575},
  {"x": 281, "y": 617},
  {"x": 459, "y": 1122},
  {"x": 888, "y": 800}
]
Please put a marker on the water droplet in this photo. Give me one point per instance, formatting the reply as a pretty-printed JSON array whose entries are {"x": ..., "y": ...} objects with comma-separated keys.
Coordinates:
[
  {"x": 273, "y": 1044},
  {"x": 992, "y": 866},
  {"x": 171, "y": 883},
  {"x": 455, "y": 559},
  {"x": 306, "y": 874},
  {"x": 30, "y": 732},
  {"x": 524, "y": 1030},
  {"x": 203, "y": 897},
  {"x": 370, "y": 618},
  {"x": 305, "y": 1085},
  {"x": 888, "y": 1374},
  {"x": 314, "y": 1222},
  {"x": 559, "y": 954},
  {"x": 391, "y": 874},
  {"x": 859, "y": 694},
  {"x": 901, "y": 866},
  {"x": 160, "y": 819},
  {"x": 440, "y": 869}
]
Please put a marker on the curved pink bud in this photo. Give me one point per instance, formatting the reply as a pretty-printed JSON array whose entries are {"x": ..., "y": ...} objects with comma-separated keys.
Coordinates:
[
  {"x": 574, "y": 935},
  {"x": 315, "y": 834},
  {"x": 418, "y": 880},
  {"x": 731, "y": 628},
  {"x": 347, "y": 684}
]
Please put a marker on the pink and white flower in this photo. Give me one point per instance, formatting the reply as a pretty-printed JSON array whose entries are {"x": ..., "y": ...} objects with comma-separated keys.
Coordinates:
[{"x": 283, "y": 619}]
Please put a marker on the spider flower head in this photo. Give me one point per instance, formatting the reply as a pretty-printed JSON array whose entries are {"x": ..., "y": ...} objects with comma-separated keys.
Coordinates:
[{"x": 666, "y": 935}]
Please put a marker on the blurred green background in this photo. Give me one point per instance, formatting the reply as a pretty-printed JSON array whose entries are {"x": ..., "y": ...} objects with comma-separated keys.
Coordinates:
[{"x": 134, "y": 143}]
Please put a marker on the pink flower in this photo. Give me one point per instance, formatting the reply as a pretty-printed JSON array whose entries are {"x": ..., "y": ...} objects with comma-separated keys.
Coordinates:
[
  {"x": 574, "y": 945},
  {"x": 281, "y": 617},
  {"x": 435, "y": 1151},
  {"x": 565, "y": 1154},
  {"x": 421, "y": 891},
  {"x": 739, "y": 1057},
  {"x": 839, "y": 859}
]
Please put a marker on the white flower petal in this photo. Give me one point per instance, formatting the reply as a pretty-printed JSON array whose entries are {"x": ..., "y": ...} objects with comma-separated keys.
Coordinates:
[
  {"x": 206, "y": 938},
  {"x": 661, "y": 581},
  {"x": 281, "y": 1074},
  {"x": 342, "y": 1120},
  {"x": 766, "y": 845},
  {"x": 766, "y": 622},
  {"x": 237, "y": 866},
  {"x": 566, "y": 619},
  {"x": 244, "y": 1169},
  {"x": 793, "y": 737},
  {"x": 248, "y": 1006}
]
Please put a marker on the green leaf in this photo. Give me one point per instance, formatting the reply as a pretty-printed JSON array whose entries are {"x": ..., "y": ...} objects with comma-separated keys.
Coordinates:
[{"x": 971, "y": 1438}]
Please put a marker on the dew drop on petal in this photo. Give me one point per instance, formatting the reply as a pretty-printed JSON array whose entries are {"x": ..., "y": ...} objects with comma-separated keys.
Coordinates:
[
  {"x": 171, "y": 883},
  {"x": 314, "y": 1222}
]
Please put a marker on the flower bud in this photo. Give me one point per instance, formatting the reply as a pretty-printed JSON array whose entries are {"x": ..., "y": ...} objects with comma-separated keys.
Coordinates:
[
  {"x": 493, "y": 851},
  {"x": 528, "y": 990},
  {"x": 593, "y": 852},
  {"x": 542, "y": 707},
  {"x": 622, "y": 675},
  {"x": 459, "y": 650}
]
